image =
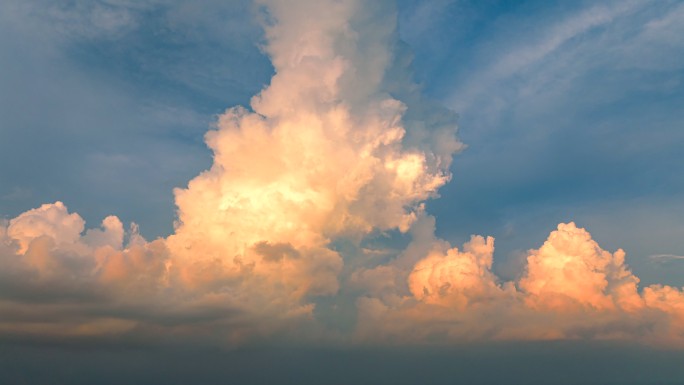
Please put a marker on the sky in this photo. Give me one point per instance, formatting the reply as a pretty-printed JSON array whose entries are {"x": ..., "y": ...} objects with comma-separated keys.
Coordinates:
[{"x": 341, "y": 191}]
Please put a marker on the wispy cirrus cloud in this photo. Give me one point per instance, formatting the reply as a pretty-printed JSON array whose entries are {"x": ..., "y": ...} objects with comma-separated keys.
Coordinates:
[{"x": 665, "y": 257}]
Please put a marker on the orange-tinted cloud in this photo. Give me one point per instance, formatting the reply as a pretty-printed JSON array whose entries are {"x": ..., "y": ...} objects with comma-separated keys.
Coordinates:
[
  {"x": 571, "y": 289},
  {"x": 456, "y": 278},
  {"x": 571, "y": 270}
]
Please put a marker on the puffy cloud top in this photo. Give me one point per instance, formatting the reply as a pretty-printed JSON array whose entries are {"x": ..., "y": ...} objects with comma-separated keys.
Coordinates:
[
  {"x": 457, "y": 278},
  {"x": 49, "y": 220},
  {"x": 570, "y": 268}
]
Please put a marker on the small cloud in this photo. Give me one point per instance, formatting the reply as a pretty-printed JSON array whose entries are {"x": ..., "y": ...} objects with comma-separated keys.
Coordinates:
[{"x": 665, "y": 257}]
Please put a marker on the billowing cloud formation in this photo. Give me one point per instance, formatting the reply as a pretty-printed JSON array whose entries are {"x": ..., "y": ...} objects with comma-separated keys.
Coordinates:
[
  {"x": 457, "y": 278},
  {"x": 570, "y": 270},
  {"x": 571, "y": 289},
  {"x": 338, "y": 151},
  {"x": 322, "y": 155}
]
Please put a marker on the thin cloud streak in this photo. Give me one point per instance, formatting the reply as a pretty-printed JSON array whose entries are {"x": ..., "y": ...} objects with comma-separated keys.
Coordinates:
[
  {"x": 520, "y": 57},
  {"x": 665, "y": 257}
]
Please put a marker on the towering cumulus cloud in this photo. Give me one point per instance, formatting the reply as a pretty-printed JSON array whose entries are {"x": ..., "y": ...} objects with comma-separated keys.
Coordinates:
[
  {"x": 338, "y": 152},
  {"x": 322, "y": 155}
]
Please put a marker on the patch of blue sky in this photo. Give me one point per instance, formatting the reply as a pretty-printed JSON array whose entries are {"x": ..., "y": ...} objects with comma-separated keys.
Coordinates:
[{"x": 571, "y": 111}]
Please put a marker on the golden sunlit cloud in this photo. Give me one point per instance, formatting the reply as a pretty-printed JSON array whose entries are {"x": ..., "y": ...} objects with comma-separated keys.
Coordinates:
[{"x": 571, "y": 289}]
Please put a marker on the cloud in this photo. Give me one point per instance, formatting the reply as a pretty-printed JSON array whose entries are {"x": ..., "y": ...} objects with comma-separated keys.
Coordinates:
[
  {"x": 665, "y": 257},
  {"x": 457, "y": 278},
  {"x": 50, "y": 220},
  {"x": 571, "y": 289},
  {"x": 571, "y": 269},
  {"x": 320, "y": 157},
  {"x": 541, "y": 57},
  {"x": 339, "y": 150},
  {"x": 323, "y": 154}
]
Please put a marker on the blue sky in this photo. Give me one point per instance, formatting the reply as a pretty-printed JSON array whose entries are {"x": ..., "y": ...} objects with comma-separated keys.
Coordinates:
[{"x": 570, "y": 111}]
